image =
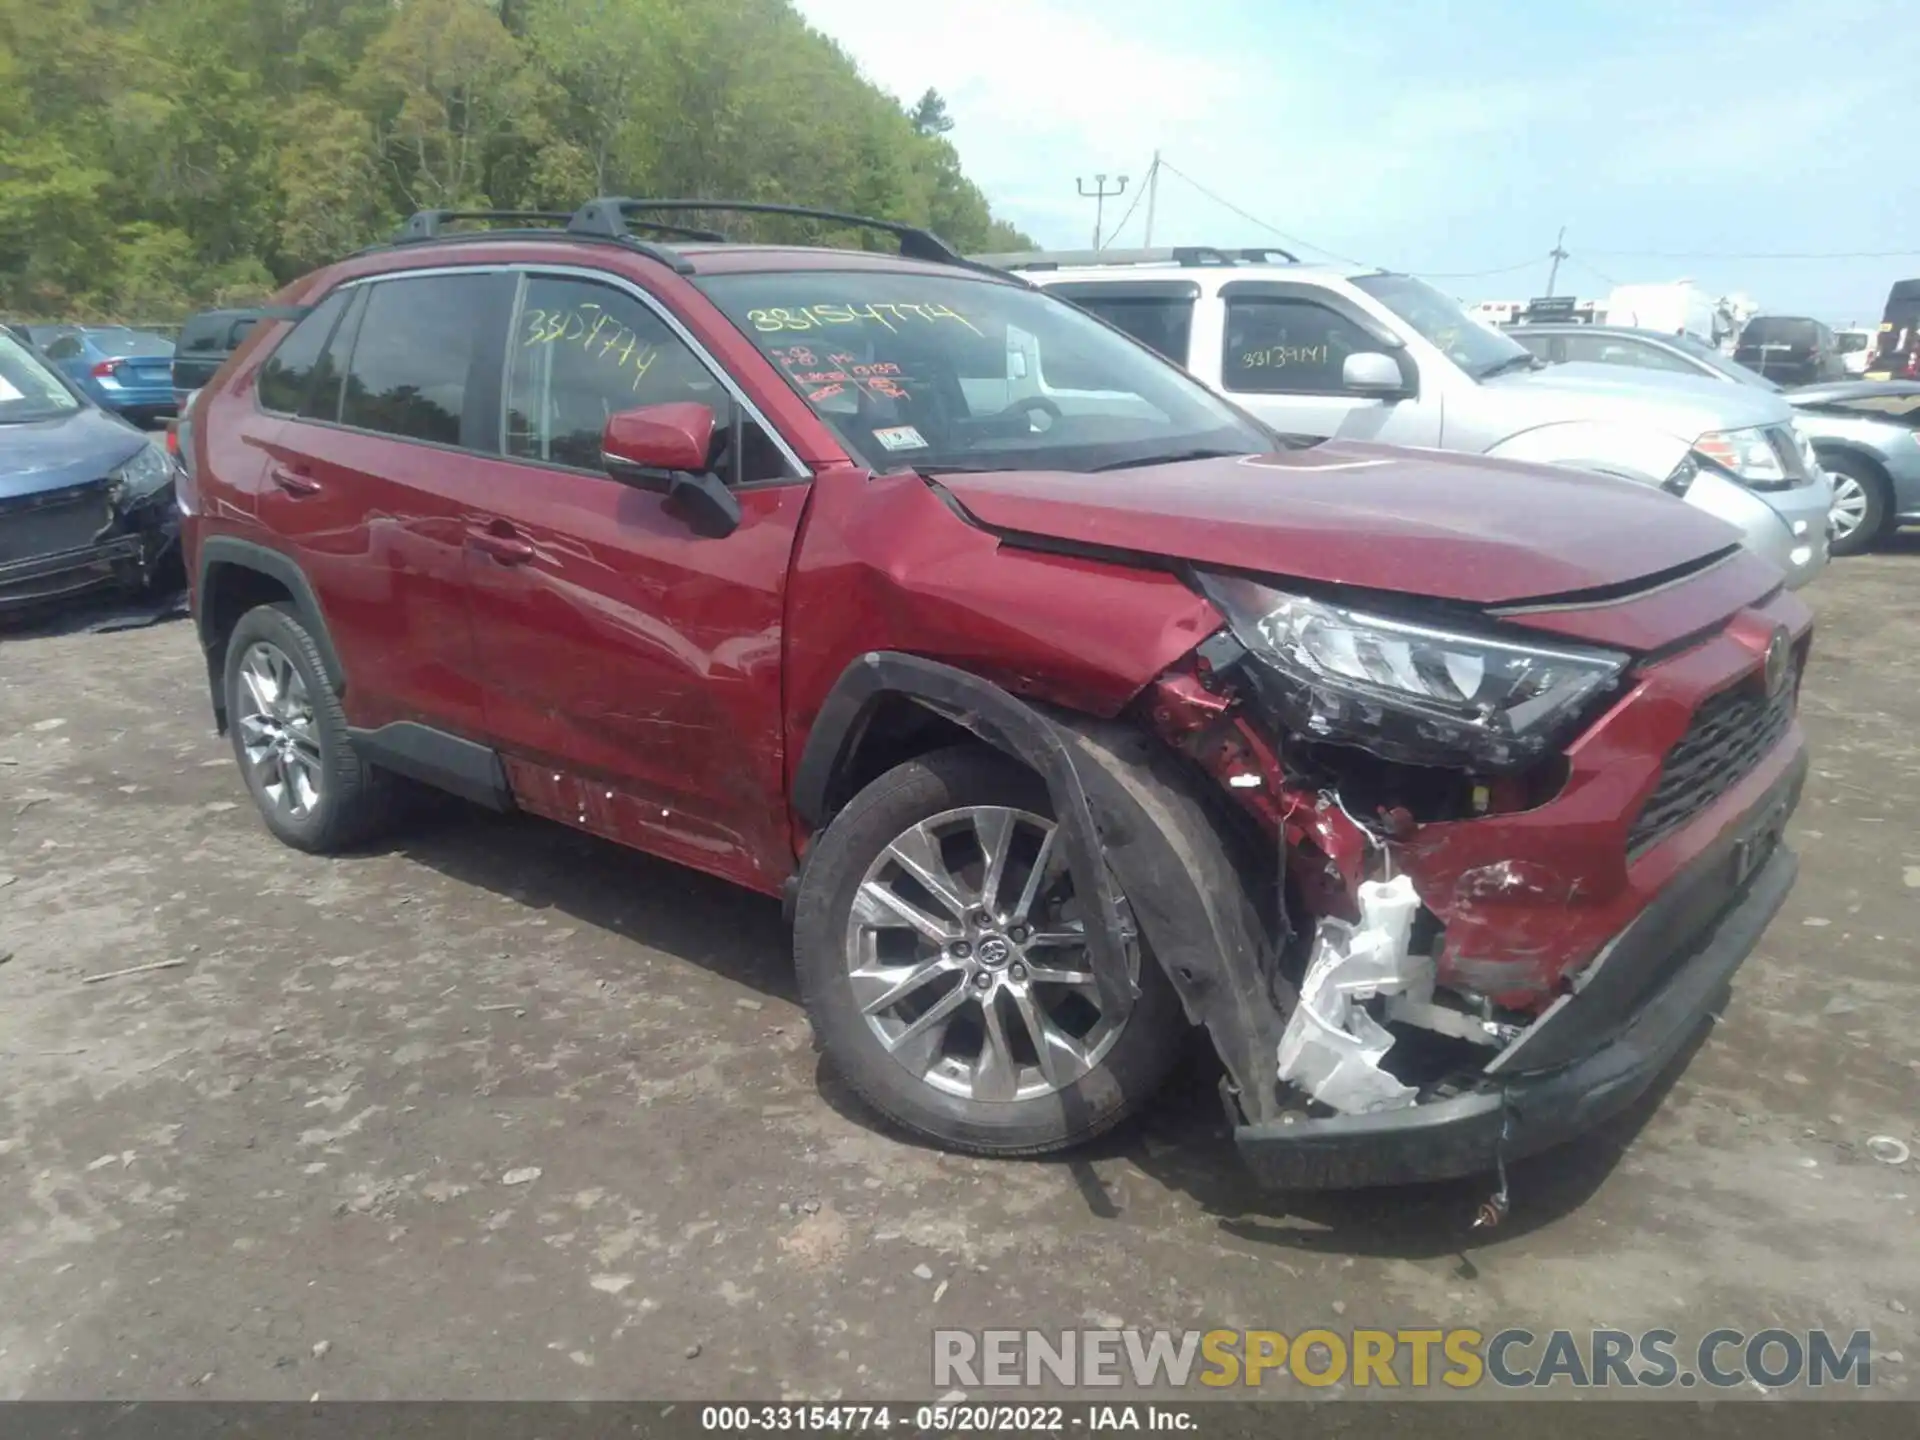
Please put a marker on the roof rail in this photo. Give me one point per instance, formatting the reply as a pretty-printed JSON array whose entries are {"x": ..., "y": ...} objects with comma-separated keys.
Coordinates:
[
  {"x": 609, "y": 215},
  {"x": 427, "y": 224},
  {"x": 1182, "y": 255}
]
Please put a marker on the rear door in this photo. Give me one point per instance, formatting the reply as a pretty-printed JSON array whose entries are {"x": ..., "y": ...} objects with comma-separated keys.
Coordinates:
[
  {"x": 369, "y": 484},
  {"x": 632, "y": 667}
]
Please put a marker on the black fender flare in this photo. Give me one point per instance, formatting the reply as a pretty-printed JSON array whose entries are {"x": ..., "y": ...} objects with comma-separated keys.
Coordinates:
[
  {"x": 228, "y": 550},
  {"x": 1126, "y": 809}
]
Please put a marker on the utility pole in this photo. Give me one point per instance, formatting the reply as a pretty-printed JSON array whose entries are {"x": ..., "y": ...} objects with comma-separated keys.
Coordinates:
[
  {"x": 1153, "y": 193},
  {"x": 1559, "y": 253},
  {"x": 1099, "y": 195}
]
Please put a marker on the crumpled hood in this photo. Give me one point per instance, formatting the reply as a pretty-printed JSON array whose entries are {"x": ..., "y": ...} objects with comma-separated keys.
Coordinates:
[
  {"x": 1422, "y": 522},
  {"x": 1685, "y": 406},
  {"x": 46, "y": 455}
]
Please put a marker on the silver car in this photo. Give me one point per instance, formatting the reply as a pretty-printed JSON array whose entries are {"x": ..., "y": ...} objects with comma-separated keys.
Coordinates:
[
  {"x": 1321, "y": 350},
  {"x": 1862, "y": 432}
]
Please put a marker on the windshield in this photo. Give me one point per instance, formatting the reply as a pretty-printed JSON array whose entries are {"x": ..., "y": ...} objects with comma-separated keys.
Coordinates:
[
  {"x": 1852, "y": 342},
  {"x": 1725, "y": 364},
  {"x": 1443, "y": 323},
  {"x": 1777, "y": 330},
  {"x": 946, "y": 372},
  {"x": 28, "y": 390}
]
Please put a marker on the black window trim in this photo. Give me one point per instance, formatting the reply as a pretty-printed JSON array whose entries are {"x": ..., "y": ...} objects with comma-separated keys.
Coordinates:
[{"x": 1390, "y": 344}]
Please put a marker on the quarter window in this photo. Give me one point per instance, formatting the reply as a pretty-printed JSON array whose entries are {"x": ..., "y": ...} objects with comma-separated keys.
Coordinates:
[
  {"x": 1288, "y": 347},
  {"x": 288, "y": 373},
  {"x": 417, "y": 344}
]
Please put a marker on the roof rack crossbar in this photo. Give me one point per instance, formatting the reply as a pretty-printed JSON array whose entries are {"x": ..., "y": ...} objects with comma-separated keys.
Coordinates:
[
  {"x": 609, "y": 215},
  {"x": 1185, "y": 256}
]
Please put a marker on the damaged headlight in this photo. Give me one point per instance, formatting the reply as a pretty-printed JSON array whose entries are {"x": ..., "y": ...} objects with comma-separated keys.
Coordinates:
[
  {"x": 1411, "y": 692},
  {"x": 146, "y": 472}
]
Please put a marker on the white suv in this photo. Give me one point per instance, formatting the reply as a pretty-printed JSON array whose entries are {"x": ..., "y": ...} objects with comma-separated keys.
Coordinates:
[{"x": 1371, "y": 355}]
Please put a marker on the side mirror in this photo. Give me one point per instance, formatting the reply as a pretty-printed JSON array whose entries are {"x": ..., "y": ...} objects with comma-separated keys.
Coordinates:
[
  {"x": 1374, "y": 374},
  {"x": 664, "y": 448}
]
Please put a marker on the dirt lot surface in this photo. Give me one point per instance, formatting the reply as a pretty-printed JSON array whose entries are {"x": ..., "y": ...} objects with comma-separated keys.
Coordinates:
[{"x": 499, "y": 1110}]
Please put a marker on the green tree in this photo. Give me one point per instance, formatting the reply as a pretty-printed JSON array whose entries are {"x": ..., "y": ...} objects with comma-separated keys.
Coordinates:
[{"x": 930, "y": 114}]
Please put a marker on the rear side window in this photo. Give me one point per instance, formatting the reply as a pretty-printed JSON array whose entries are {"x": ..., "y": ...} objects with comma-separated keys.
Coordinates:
[
  {"x": 1612, "y": 350},
  {"x": 288, "y": 373},
  {"x": 1164, "y": 325},
  {"x": 417, "y": 343},
  {"x": 1288, "y": 347}
]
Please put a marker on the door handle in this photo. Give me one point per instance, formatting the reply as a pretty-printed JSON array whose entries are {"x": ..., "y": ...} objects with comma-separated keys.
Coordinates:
[
  {"x": 499, "y": 542},
  {"x": 292, "y": 481}
]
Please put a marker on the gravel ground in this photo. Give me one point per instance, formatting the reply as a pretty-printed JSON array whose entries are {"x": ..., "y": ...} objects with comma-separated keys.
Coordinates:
[{"x": 500, "y": 1110}]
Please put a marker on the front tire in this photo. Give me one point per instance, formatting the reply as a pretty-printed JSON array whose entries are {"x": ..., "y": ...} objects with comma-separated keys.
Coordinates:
[
  {"x": 942, "y": 960},
  {"x": 1862, "y": 506},
  {"x": 291, "y": 739}
]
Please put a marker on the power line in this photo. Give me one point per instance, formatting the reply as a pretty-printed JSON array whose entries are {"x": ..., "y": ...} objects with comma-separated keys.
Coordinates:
[
  {"x": 1757, "y": 255},
  {"x": 1594, "y": 271},
  {"x": 1114, "y": 233},
  {"x": 1256, "y": 220},
  {"x": 1526, "y": 264}
]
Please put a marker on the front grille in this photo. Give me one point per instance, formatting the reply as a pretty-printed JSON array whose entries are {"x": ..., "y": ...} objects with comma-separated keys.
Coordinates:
[
  {"x": 1729, "y": 735},
  {"x": 55, "y": 520}
]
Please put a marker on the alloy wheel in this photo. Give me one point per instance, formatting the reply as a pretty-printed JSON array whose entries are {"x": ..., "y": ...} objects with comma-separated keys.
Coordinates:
[
  {"x": 277, "y": 731},
  {"x": 968, "y": 958}
]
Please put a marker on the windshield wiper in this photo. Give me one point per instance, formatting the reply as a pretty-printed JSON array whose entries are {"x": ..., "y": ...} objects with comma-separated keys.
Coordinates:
[
  {"x": 1522, "y": 361},
  {"x": 1176, "y": 458}
]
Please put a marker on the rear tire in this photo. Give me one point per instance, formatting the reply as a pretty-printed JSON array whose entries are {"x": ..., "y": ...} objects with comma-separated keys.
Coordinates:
[
  {"x": 1862, "y": 503},
  {"x": 1055, "y": 1069},
  {"x": 291, "y": 739}
]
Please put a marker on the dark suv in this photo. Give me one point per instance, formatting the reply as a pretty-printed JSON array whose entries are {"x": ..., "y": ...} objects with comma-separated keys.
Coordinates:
[
  {"x": 1790, "y": 349},
  {"x": 1066, "y": 706}
]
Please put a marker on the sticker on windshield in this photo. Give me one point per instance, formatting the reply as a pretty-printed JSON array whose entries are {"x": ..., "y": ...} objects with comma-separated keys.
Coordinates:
[
  {"x": 900, "y": 437},
  {"x": 7, "y": 392}
]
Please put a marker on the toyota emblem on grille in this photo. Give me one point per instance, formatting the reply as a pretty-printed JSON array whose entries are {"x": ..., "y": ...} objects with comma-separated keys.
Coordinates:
[{"x": 1779, "y": 653}]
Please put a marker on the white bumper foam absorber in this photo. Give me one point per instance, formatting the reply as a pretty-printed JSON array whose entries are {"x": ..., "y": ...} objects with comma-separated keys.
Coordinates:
[{"x": 1332, "y": 1047}]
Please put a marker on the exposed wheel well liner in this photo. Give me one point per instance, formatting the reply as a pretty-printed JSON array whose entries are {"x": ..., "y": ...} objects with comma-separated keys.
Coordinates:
[{"x": 1123, "y": 802}]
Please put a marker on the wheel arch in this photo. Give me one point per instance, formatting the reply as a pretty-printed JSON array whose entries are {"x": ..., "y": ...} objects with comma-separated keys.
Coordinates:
[
  {"x": 1125, "y": 808},
  {"x": 235, "y": 575}
]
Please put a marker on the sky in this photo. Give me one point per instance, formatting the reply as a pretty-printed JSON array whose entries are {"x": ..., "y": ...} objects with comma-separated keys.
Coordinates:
[{"x": 1672, "y": 138}]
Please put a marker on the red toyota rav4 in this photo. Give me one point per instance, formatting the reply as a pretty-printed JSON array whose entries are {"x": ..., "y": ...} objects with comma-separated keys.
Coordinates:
[{"x": 1067, "y": 706}]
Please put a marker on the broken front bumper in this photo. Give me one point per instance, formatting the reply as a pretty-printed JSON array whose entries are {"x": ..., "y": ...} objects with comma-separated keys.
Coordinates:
[
  {"x": 124, "y": 554},
  {"x": 1592, "y": 1053}
]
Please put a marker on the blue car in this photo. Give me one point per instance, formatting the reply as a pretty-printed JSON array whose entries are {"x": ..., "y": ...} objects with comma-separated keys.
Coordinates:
[
  {"x": 129, "y": 372},
  {"x": 86, "y": 500}
]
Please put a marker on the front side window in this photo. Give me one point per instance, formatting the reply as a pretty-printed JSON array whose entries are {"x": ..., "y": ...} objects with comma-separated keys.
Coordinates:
[
  {"x": 288, "y": 373},
  {"x": 960, "y": 373},
  {"x": 1443, "y": 323},
  {"x": 579, "y": 353},
  {"x": 28, "y": 389},
  {"x": 1288, "y": 347},
  {"x": 418, "y": 340}
]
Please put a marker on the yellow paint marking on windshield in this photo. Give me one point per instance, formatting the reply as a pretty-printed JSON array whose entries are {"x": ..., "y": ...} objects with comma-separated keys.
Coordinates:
[{"x": 893, "y": 315}]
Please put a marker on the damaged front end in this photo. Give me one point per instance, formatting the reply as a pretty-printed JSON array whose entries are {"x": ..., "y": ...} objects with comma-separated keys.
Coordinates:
[
  {"x": 1508, "y": 876},
  {"x": 115, "y": 531}
]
